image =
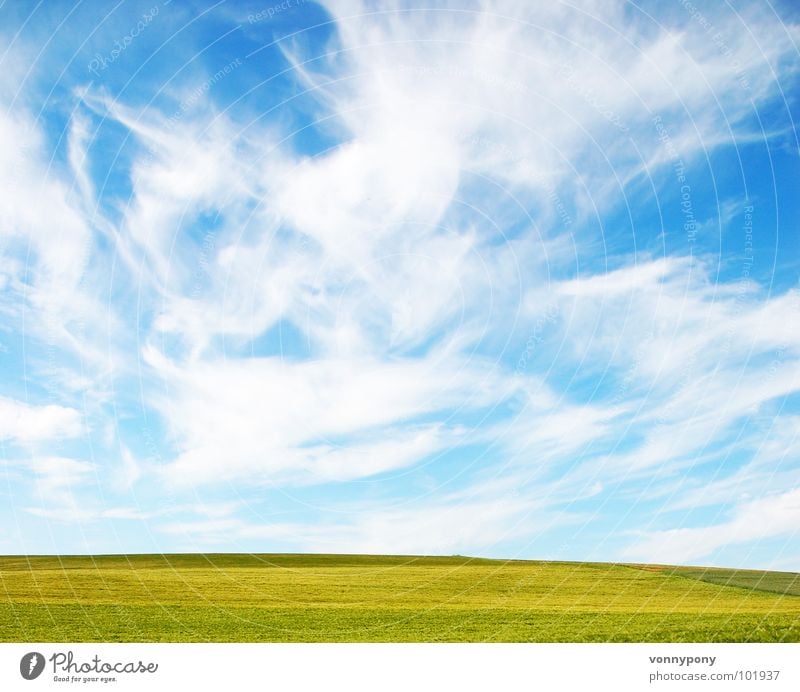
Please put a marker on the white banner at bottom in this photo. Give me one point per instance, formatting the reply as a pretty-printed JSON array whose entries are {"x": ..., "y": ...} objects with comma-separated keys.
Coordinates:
[{"x": 406, "y": 667}]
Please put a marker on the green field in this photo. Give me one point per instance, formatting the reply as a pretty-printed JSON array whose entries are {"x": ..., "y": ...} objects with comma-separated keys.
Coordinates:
[{"x": 332, "y": 598}]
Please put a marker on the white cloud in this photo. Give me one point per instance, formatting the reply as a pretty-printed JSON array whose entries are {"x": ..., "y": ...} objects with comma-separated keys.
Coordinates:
[
  {"x": 36, "y": 203},
  {"x": 421, "y": 528},
  {"x": 690, "y": 360},
  {"x": 765, "y": 517},
  {"x": 56, "y": 477},
  {"x": 269, "y": 418},
  {"x": 72, "y": 510},
  {"x": 21, "y": 422}
]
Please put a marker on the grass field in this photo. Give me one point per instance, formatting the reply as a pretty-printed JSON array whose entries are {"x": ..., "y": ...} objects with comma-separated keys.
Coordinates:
[{"x": 331, "y": 598}]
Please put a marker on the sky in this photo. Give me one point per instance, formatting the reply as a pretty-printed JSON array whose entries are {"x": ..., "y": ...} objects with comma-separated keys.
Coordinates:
[{"x": 501, "y": 278}]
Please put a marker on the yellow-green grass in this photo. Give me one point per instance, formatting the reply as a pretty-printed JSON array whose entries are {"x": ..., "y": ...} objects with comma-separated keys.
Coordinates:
[{"x": 327, "y": 598}]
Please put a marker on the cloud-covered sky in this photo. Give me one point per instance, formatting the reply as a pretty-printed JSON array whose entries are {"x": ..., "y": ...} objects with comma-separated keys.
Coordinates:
[{"x": 500, "y": 278}]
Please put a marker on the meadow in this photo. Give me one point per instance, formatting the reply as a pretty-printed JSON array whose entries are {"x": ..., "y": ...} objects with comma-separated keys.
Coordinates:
[{"x": 344, "y": 598}]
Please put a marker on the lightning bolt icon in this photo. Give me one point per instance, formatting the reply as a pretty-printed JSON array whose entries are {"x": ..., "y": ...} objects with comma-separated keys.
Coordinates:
[{"x": 32, "y": 663}]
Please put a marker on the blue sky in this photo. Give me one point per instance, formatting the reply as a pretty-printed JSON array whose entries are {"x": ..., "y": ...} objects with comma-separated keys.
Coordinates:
[{"x": 508, "y": 279}]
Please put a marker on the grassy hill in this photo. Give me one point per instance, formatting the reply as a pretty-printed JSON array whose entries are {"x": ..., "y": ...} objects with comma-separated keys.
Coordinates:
[{"x": 230, "y": 597}]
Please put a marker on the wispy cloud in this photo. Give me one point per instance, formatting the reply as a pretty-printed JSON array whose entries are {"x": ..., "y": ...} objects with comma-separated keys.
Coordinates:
[{"x": 773, "y": 515}]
